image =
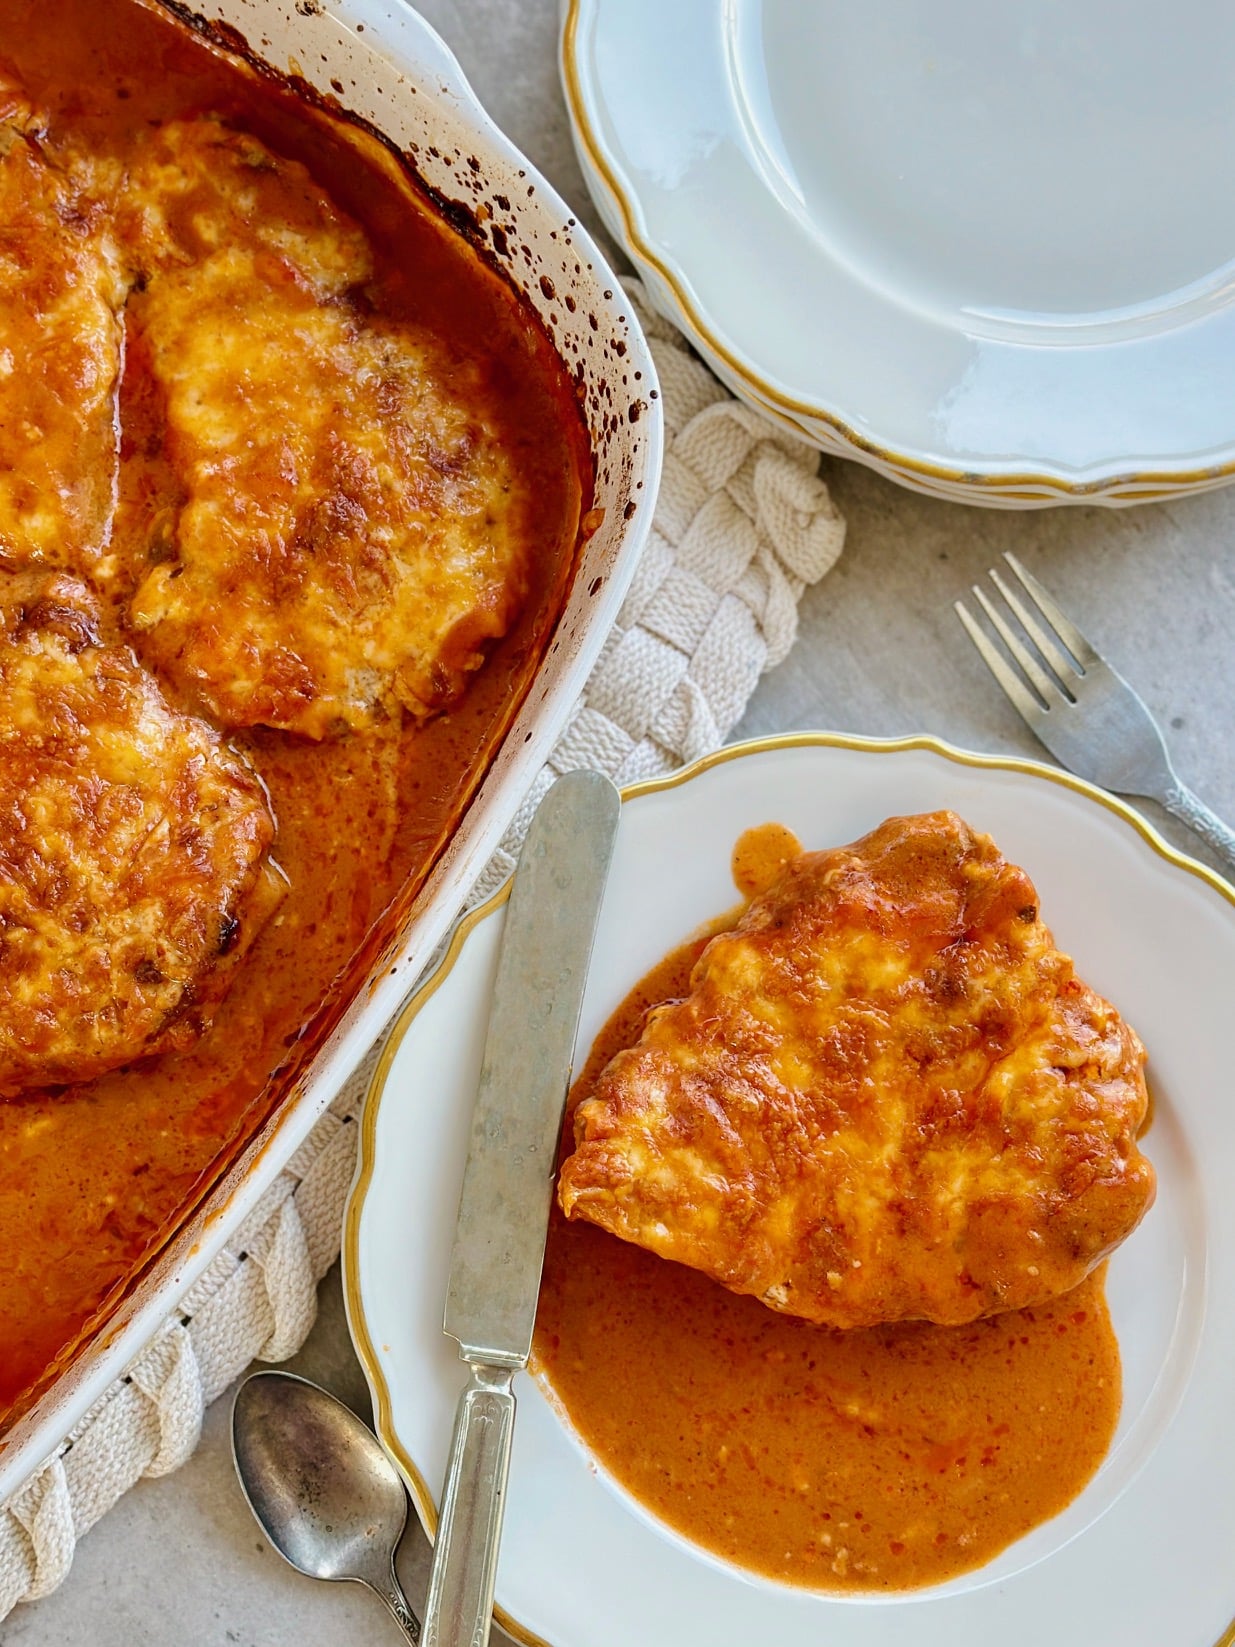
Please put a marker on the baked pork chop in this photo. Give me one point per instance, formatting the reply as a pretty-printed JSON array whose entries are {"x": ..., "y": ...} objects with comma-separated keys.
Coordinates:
[
  {"x": 133, "y": 849},
  {"x": 61, "y": 291},
  {"x": 886, "y": 1097},
  {"x": 350, "y": 537}
]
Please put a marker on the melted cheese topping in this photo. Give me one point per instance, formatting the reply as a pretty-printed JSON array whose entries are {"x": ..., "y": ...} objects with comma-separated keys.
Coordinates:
[
  {"x": 97, "y": 1178},
  {"x": 132, "y": 846},
  {"x": 60, "y": 345},
  {"x": 886, "y": 1097},
  {"x": 352, "y": 529}
]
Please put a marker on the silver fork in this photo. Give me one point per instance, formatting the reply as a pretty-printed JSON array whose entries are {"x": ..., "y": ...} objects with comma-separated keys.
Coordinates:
[{"x": 1085, "y": 713}]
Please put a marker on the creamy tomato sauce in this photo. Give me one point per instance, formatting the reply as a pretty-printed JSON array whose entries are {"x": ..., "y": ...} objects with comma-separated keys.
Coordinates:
[
  {"x": 95, "y": 1180},
  {"x": 875, "y": 1460}
]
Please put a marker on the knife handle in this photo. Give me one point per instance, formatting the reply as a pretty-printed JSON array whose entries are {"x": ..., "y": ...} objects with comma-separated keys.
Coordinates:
[{"x": 459, "y": 1608}]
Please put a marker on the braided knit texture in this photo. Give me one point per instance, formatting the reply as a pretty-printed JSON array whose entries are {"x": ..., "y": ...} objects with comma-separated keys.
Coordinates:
[{"x": 742, "y": 525}]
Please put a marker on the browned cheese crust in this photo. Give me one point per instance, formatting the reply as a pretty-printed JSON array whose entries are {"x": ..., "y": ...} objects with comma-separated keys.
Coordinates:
[
  {"x": 343, "y": 534},
  {"x": 133, "y": 868},
  {"x": 352, "y": 533},
  {"x": 886, "y": 1097},
  {"x": 60, "y": 342}
]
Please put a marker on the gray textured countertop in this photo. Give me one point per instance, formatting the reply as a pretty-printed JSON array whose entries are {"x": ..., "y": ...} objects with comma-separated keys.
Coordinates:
[{"x": 179, "y": 1561}]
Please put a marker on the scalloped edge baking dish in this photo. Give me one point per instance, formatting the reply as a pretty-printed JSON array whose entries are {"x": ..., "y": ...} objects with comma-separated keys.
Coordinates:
[{"x": 391, "y": 72}]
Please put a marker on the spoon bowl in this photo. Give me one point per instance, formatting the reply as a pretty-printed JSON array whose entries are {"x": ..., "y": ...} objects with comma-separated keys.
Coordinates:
[{"x": 322, "y": 1488}]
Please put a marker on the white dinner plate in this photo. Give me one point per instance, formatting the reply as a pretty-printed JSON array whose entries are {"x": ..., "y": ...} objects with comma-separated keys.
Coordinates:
[
  {"x": 1145, "y": 1556},
  {"x": 988, "y": 249}
]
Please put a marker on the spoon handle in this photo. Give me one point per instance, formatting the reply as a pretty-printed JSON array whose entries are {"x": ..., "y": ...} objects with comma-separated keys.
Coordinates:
[
  {"x": 391, "y": 1593},
  {"x": 459, "y": 1608}
]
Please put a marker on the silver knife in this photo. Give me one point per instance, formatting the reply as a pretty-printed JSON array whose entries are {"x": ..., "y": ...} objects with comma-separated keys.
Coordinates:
[{"x": 507, "y": 1191}]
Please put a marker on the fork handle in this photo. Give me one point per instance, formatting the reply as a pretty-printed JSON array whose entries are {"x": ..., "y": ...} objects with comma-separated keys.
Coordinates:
[{"x": 1190, "y": 809}]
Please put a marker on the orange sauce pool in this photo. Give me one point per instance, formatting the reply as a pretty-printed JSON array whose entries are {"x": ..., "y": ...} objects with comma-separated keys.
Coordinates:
[
  {"x": 95, "y": 1180},
  {"x": 877, "y": 1460}
]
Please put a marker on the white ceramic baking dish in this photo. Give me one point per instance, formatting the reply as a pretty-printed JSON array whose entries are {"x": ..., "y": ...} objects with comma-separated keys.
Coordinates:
[{"x": 387, "y": 68}]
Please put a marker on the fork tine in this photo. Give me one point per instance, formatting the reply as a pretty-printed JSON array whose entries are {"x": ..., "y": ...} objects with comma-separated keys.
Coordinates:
[
  {"x": 994, "y": 660},
  {"x": 1063, "y": 626},
  {"x": 1056, "y": 658},
  {"x": 1047, "y": 688}
]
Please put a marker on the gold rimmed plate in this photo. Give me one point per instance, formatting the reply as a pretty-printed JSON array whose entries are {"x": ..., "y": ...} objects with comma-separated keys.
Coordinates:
[
  {"x": 980, "y": 250},
  {"x": 1142, "y": 1556}
]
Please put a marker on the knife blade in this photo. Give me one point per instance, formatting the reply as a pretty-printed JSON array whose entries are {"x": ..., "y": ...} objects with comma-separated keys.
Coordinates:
[{"x": 507, "y": 1188}]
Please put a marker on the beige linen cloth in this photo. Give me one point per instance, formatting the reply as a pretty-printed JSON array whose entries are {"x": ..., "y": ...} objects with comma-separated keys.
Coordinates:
[{"x": 743, "y": 524}]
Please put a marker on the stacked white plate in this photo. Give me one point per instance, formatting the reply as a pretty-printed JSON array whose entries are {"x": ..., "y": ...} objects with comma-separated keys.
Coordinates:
[{"x": 989, "y": 251}]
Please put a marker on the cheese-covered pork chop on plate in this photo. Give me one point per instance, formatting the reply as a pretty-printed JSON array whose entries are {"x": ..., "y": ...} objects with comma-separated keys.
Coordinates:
[
  {"x": 133, "y": 848},
  {"x": 886, "y": 1097},
  {"x": 352, "y": 529}
]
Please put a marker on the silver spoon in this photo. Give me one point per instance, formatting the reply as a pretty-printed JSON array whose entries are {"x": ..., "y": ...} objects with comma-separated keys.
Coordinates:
[{"x": 324, "y": 1492}]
